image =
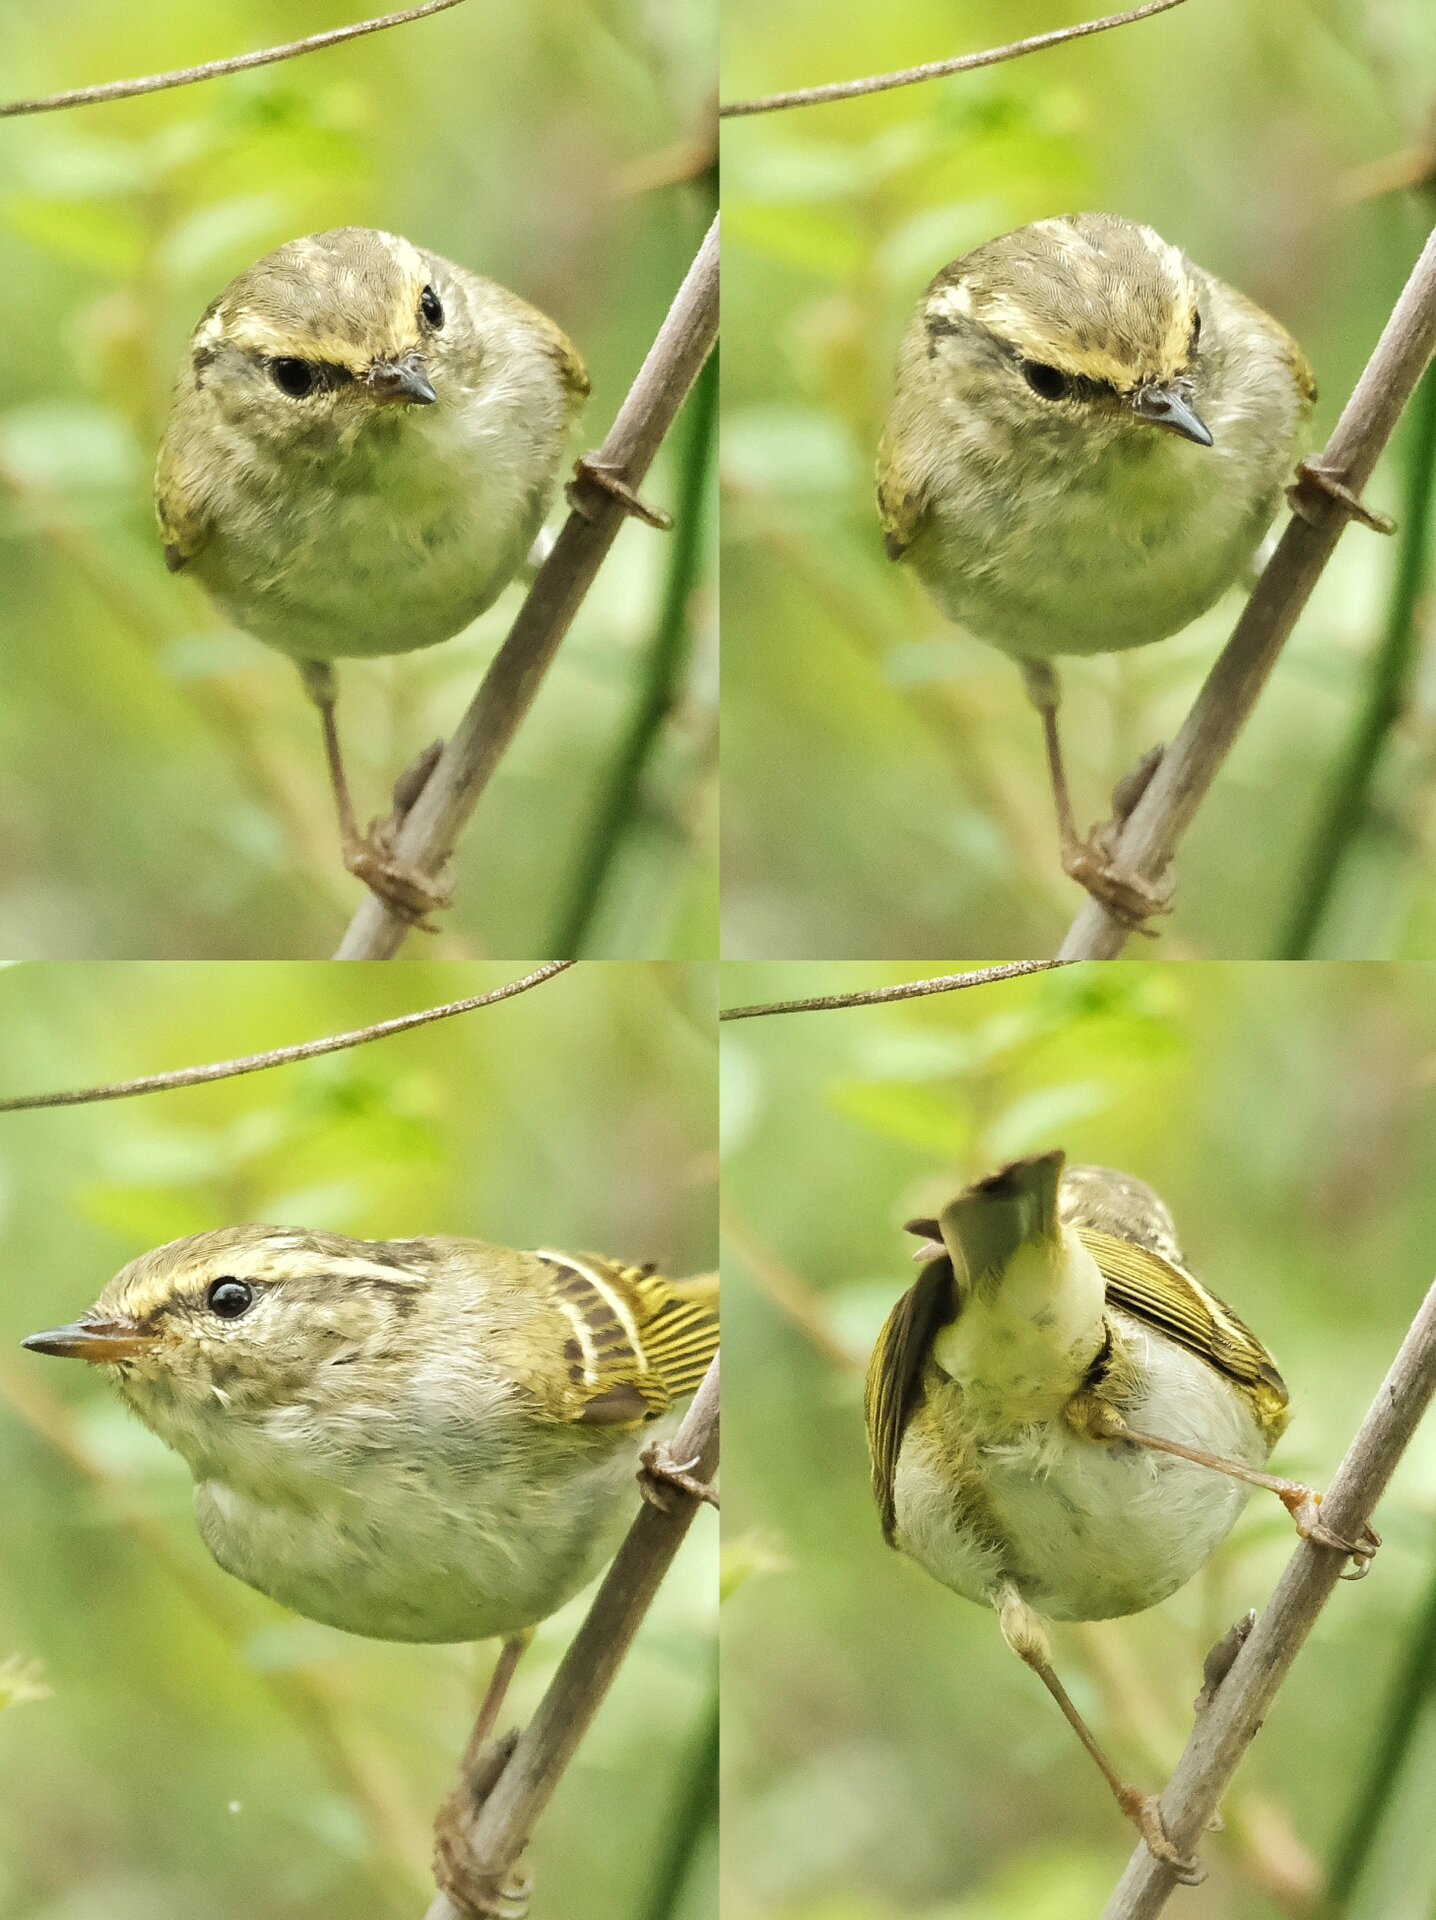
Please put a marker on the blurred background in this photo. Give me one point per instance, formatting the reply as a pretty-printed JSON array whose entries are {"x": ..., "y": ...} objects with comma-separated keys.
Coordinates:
[
  {"x": 171, "y": 1743},
  {"x": 885, "y": 1754},
  {"x": 161, "y": 777},
  {"x": 885, "y": 788}
]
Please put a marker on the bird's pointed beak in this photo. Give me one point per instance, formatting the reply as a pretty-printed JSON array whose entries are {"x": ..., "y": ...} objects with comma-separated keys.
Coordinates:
[
  {"x": 1164, "y": 407},
  {"x": 101, "y": 1342},
  {"x": 405, "y": 380}
]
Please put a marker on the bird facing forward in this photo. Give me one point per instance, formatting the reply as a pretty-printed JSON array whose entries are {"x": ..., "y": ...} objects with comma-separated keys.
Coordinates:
[
  {"x": 1088, "y": 439},
  {"x": 1064, "y": 1422},
  {"x": 364, "y": 442}
]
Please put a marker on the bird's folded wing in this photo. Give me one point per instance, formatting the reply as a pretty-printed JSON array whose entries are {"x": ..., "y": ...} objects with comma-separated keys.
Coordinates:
[
  {"x": 895, "y": 1374},
  {"x": 638, "y": 1342},
  {"x": 1171, "y": 1300}
]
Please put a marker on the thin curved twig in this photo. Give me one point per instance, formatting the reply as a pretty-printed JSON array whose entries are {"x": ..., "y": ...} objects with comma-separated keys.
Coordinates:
[
  {"x": 282, "y": 1056},
  {"x": 906, "y": 990},
  {"x": 432, "y": 826},
  {"x": 1151, "y": 834},
  {"x": 503, "y": 1823},
  {"x": 936, "y": 69},
  {"x": 212, "y": 69},
  {"x": 1229, "y": 1723}
]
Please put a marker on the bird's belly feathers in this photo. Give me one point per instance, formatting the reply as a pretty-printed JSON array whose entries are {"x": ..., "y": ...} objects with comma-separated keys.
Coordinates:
[
  {"x": 1125, "y": 550},
  {"x": 1085, "y": 1529},
  {"x": 395, "y": 544},
  {"x": 415, "y": 1550}
]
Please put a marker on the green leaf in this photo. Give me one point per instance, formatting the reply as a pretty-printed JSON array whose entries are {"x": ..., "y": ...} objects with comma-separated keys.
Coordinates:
[
  {"x": 1040, "y": 1119},
  {"x": 914, "y": 1115}
]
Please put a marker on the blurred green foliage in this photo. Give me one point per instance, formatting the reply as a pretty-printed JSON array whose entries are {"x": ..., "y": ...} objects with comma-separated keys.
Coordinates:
[
  {"x": 885, "y": 1753},
  {"x": 161, "y": 777},
  {"x": 200, "y": 1750},
  {"x": 885, "y": 789}
]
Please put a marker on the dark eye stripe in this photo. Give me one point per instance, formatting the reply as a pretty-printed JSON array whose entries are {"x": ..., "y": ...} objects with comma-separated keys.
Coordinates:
[{"x": 301, "y": 378}]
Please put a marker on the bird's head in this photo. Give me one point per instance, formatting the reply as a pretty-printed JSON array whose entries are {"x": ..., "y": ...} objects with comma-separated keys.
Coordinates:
[{"x": 1084, "y": 324}]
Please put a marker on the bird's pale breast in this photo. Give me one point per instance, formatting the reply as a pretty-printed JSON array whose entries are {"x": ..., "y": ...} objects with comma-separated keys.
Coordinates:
[{"x": 1085, "y": 1529}]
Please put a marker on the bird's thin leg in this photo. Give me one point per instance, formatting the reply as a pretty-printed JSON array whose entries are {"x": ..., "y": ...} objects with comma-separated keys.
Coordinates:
[
  {"x": 471, "y": 1891},
  {"x": 1128, "y": 897},
  {"x": 410, "y": 894},
  {"x": 1025, "y": 1634},
  {"x": 1301, "y": 1502},
  {"x": 500, "y": 1680}
]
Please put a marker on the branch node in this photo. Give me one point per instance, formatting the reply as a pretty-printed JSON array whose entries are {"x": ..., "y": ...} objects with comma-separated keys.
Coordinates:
[
  {"x": 1312, "y": 476},
  {"x": 475, "y": 1891},
  {"x": 591, "y": 471},
  {"x": 660, "y": 1476}
]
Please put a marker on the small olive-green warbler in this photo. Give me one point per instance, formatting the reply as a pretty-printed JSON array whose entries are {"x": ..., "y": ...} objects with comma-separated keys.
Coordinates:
[
  {"x": 412, "y": 1439},
  {"x": 1089, "y": 438},
  {"x": 1063, "y": 1421},
  {"x": 364, "y": 442}
]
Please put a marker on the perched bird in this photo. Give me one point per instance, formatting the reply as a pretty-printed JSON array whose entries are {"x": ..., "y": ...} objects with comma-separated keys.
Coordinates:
[
  {"x": 1064, "y": 1422},
  {"x": 430, "y": 1440},
  {"x": 1088, "y": 439},
  {"x": 364, "y": 442},
  {"x": 424, "y": 1440}
]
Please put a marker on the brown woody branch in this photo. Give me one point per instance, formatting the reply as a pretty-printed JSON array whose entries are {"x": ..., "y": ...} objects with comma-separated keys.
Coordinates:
[
  {"x": 431, "y": 828},
  {"x": 937, "y": 69},
  {"x": 282, "y": 1056},
  {"x": 1187, "y": 769},
  {"x": 503, "y": 1823},
  {"x": 212, "y": 69},
  {"x": 1229, "y": 1723}
]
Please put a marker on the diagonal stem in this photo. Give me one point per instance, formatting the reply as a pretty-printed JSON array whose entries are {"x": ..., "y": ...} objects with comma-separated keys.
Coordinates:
[
  {"x": 433, "y": 824},
  {"x": 1232, "y": 1719},
  {"x": 504, "y": 1822},
  {"x": 1181, "y": 782}
]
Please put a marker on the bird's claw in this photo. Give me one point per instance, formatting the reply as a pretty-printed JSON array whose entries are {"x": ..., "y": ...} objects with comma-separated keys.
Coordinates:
[
  {"x": 659, "y": 1474},
  {"x": 476, "y": 1893},
  {"x": 1145, "y": 1814},
  {"x": 1304, "y": 1506},
  {"x": 1126, "y": 895},
  {"x": 1312, "y": 476},
  {"x": 408, "y": 893},
  {"x": 590, "y": 471}
]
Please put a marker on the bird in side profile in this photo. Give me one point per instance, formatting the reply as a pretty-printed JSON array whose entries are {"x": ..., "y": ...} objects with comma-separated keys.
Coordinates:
[
  {"x": 423, "y": 1440},
  {"x": 1064, "y": 1422},
  {"x": 364, "y": 442},
  {"x": 1088, "y": 439},
  {"x": 429, "y": 1439}
]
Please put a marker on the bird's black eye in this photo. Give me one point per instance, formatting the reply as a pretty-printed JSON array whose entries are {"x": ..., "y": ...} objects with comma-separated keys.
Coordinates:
[
  {"x": 1050, "y": 382},
  {"x": 294, "y": 377},
  {"x": 229, "y": 1298},
  {"x": 432, "y": 308}
]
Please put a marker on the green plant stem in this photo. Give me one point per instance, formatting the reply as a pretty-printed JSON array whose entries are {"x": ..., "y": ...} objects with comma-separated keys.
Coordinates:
[
  {"x": 694, "y": 1814},
  {"x": 1348, "y": 802},
  {"x": 1413, "y": 1688},
  {"x": 663, "y": 674}
]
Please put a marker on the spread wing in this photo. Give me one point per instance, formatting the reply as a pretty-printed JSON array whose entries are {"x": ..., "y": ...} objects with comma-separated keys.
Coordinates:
[
  {"x": 1167, "y": 1297},
  {"x": 895, "y": 1374},
  {"x": 637, "y": 1342}
]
